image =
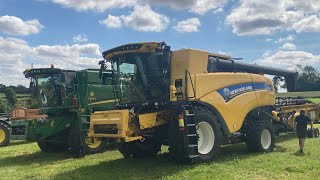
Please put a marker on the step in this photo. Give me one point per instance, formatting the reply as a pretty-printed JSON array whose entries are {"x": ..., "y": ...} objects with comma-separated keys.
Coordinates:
[
  {"x": 193, "y": 156},
  {"x": 193, "y": 145},
  {"x": 191, "y": 125},
  {"x": 191, "y": 135}
]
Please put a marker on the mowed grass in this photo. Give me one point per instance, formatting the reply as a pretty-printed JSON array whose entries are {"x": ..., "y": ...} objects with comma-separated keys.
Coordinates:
[
  {"x": 307, "y": 94},
  {"x": 23, "y": 160},
  {"x": 18, "y": 95}
]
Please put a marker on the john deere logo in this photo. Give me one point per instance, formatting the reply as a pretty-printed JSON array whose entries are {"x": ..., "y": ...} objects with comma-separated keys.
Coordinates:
[
  {"x": 92, "y": 94},
  {"x": 226, "y": 93}
]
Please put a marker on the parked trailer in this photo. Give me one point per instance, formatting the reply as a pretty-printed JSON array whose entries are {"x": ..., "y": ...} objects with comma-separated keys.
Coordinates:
[
  {"x": 288, "y": 108},
  {"x": 14, "y": 126},
  {"x": 191, "y": 100}
]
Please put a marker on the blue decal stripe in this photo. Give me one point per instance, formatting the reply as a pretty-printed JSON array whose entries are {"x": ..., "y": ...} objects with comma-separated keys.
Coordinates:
[{"x": 233, "y": 91}]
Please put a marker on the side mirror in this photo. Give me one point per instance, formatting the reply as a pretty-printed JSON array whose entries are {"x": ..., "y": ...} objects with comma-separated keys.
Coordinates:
[
  {"x": 63, "y": 77},
  {"x": 102, "y": 68}
]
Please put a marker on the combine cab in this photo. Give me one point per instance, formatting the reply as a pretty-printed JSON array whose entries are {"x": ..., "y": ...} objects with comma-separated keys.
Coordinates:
[
  {"x": 68, "y": 98},
  {"x": 191, "y": 100}
]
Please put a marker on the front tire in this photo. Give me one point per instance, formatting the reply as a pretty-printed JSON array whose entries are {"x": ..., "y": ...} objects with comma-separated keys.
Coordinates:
[
  {"x": 260, "y": 135},
  {"x": 210, "y": 135},
  {"x": 4, "y": 135},
  {"x": 95, "y": 145},
  {"x": 209, "y": 138}
]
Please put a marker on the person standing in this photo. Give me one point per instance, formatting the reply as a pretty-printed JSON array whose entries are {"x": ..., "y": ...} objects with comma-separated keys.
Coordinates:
[{"x": 301, "y": 123}]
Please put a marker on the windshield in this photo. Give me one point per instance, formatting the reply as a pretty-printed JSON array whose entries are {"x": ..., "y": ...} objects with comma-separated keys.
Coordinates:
[
  {"x": 141, "y": 77},
  {"x": 47, "y": 91}
]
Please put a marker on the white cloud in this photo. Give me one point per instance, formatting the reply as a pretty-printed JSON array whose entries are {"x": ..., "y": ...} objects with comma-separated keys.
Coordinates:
[
  {"x": 308, "y": 24},
  {"x": 203, "y": 6},
  {"x": 189, "y": 25},
  {"x": 289, "y": 59},
  {"x": 95, "y": 5},
  {"x": 288, "y": 46},
  {"x": 225, "y": 53},
  {"x": 269, "y": 39},
  {"x": 174, "y": 4},
  {"x": 262, "y": 17},
  {"x": 111, "y": 21},
  {"x": 15, "y": 26},
  {"x": 143, "y": 18},
  {"x": 195, "y": 6},
  {"x": 286, "y": 39},
  {"x": 17, "y": 55},
  {"x": 80, "y": 38}
]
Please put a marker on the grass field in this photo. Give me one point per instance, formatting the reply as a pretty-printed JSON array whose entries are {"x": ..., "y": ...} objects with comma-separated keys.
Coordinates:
[
  {"x": 18, "y": 95},
  {"x": 22, "y": 160},
  {"x": 309, "y": 94}
]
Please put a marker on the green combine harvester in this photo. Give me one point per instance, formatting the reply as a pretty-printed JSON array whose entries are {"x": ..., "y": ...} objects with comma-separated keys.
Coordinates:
[{"x": 67, "y": 98}]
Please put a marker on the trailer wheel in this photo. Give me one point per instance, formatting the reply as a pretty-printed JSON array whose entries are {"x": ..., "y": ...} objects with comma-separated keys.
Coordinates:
[
  {"x": 260, "y": 135},
  {"x": 52, "y": 147},
  {"x": 210, "y": 135},
  {"x": 95, "y": 145},
  {"x": 4, "y": 135},
  {"x": 140, "y": 149},
  {"x": 310, "y": 133},
  {"x": 316, "y": 132}
]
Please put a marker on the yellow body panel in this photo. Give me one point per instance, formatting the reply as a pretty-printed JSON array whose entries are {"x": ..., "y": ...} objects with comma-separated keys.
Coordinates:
[
  {"x": 207, "y": 84},
  {"x": 147, "y": 120},
  {"x": 118, "y": 119}
]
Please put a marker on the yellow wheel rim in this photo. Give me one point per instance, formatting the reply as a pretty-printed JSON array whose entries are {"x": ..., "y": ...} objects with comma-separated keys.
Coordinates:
[
  {"x": 93, "y": 142},
  {"x": 2, "y": 135}
]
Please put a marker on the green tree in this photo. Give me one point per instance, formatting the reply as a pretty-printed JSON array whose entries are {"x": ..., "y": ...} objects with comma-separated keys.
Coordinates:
[
  {"x": 308, "y": 78},
  {"x": 4, "y": 108},
  {"x": 11, "y": 97}
]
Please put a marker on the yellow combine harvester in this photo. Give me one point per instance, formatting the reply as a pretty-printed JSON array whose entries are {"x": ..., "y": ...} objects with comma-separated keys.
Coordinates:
[{"x": 191, "y": 100}]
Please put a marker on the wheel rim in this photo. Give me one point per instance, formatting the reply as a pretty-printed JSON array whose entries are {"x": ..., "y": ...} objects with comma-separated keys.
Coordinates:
[
  {"x": 206, "y": 137},
  {"x": 93, "y": 142},
  {"x": 2, "y": 135},
  {"x": 265, "y": 139}
]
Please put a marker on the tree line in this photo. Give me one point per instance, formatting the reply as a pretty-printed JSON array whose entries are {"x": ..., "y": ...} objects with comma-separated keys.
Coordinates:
[
  {"x": 308, "y": 79},
  {"x": 19, "y": 89}
]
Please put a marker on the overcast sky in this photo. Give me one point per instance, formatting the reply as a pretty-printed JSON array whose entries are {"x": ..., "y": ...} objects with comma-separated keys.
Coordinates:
[{"x": 72, "y": 33}]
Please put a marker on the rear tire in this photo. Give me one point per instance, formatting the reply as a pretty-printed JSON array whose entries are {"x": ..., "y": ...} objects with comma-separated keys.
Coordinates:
[
  {"x": 140, "y": 149},
  {"x": 260, "y": 135},
  {"x": 4, "y": 135}
]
